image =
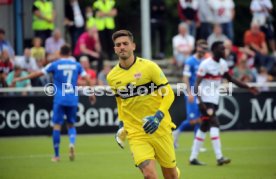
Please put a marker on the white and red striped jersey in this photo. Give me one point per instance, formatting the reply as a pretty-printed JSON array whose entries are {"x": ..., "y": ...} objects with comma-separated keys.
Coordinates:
[{"x": 212, "y": 73}]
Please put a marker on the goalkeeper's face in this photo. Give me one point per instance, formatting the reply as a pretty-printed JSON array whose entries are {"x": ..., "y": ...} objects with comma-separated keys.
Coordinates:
[{"x": 124, "y": 47}]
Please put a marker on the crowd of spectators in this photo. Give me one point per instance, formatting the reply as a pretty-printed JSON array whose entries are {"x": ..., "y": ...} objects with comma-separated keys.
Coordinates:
[
  {"x": 254, "y": 61},
  {"x": 88, "y": 39}
]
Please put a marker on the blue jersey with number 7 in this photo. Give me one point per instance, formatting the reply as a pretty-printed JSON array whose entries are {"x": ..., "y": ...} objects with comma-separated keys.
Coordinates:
[{"x": 65, "y": 75}]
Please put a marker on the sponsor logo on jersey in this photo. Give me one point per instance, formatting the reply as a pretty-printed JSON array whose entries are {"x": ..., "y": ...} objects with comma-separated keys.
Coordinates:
[{"x": 138, "y": 75}]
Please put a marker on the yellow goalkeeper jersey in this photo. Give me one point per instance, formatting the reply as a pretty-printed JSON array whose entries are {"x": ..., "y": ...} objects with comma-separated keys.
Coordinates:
[{"x": 140, "y": 91}]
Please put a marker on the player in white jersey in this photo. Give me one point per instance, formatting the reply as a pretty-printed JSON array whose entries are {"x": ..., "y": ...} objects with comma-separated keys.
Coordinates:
[{"x": 209, "y": 78}]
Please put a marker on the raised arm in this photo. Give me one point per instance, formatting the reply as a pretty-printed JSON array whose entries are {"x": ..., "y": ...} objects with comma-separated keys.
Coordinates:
[{"x": 30, "y": 76}]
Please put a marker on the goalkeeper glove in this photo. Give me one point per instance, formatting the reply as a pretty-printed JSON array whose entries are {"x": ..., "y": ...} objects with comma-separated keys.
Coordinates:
[
  {"x": 120, "y": 136},
  {"x": 152, "y": 122}
]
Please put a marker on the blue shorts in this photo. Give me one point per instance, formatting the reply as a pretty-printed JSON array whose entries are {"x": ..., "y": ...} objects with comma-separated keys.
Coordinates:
[
  {"x": 61, "y": 110},
  {"x": 192, "y": 109}
]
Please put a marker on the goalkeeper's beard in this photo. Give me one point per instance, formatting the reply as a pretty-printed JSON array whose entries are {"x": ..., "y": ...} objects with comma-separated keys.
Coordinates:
[{"x": 124, "y": 57}]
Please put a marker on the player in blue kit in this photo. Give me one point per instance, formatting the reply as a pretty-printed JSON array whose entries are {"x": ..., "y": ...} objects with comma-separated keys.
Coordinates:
[
  {"x": 189, "y": 78},
  {"x": 65, "y": 75}
]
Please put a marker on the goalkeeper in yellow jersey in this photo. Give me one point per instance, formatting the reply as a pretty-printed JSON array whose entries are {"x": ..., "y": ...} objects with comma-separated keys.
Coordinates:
[{"x": 143, "y": 98}]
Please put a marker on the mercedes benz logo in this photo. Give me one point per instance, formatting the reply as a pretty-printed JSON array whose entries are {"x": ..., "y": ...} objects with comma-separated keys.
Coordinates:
[{"x": 228, "y": 112}]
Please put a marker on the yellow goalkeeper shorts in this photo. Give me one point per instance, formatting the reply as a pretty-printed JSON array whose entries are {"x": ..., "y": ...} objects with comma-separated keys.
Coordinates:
[{"x": 160, "y": 148}]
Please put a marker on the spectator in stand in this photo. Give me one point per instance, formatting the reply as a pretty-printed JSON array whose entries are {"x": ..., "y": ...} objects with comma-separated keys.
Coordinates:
[
  {"x": 206, "y": 19},
  {"x": 6, "y": 66},
  {"x": 262, "y": 78},
  {"x": 158, "y": 33},
  {"x": 84, "y": 61},
  {"x": 261, "y": 10},
  {"x": 53, "y": 45},
  {"x": 89, "y": 45},
  {"x": 242, "y": 72},
  {"x": 90, "y": 19},
  {"x": 74, "y": 19},
  {"x": 4, "y": 44},
  {"x": 183, "y": 44},
  {"x": 105, "y": 12},
  {"x": 232, "y": 52},
  {"x": 216, "y": 36},
  {"x": 187, "y": 12},
  {"x": 224, "y": 13},
  {"x": 6, "y": 63},
  {"x": 38, "y": 52},
  {"x": 28, "y": 64},
  {"x": 254, "y": 39},
  {"x": 43, "y": 18},
  {"x": 230, "y": 55},
  {"x": 16, "y": 73},
  {"x": 103, "y": 74}
]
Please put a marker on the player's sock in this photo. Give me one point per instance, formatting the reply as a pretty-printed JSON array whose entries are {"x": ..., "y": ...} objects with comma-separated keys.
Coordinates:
[
  {"x": 72, "y": 135},
  {"x": 214, "y": 133},
  {"x": 196, "y": 128},
  {"x": 184, "y": 125},
  {"x": 176, "y": 134},
  {"x": 56, "y": 141},
  {"x": 198, "y": 141}
]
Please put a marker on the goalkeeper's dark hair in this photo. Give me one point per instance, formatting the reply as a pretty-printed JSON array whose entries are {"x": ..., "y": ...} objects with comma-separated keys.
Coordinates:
[
  {"x": 215, "y": 45},
  {"x": 65, "y": 50},
  {"x": 121, "y": 33}
]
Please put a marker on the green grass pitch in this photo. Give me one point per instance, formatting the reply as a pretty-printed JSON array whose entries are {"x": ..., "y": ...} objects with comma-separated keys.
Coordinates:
[{"x": 253, "y": 155}]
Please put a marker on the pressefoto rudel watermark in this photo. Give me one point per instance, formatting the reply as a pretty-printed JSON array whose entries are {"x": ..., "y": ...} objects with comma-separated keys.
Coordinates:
[{"x": 212, "y": 89}]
